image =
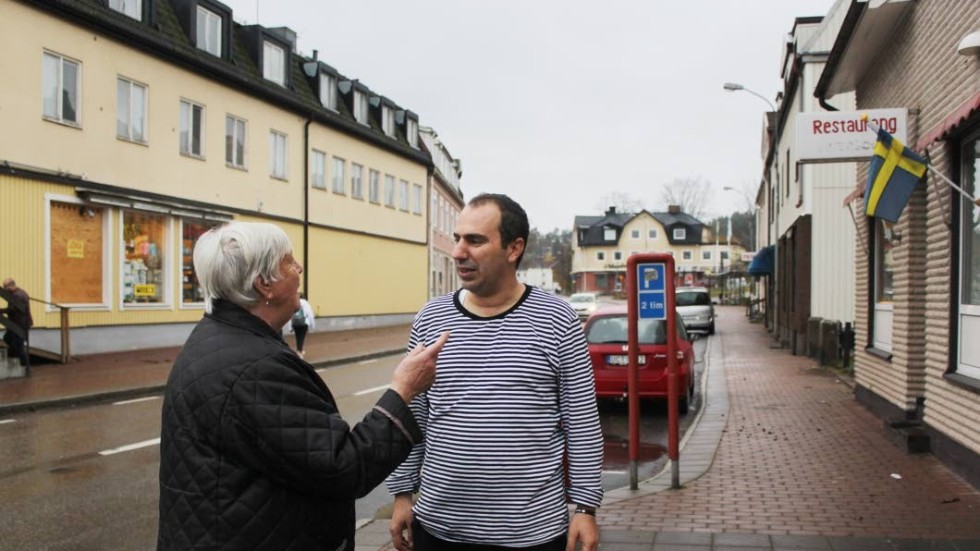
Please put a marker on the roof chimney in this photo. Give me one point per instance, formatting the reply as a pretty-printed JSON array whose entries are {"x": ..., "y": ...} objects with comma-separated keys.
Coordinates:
[
  {"x": 673, "y": 209},
  {"x": 611, "y": 211}
]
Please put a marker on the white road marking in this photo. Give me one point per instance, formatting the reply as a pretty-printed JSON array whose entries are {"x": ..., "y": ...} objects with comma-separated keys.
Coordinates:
[
  {"x": 371, "y": 361},
  {"x": 130, "y": 447},
  {"x": 5, "y": 421},
  {"x": 135, "y": 400},
  {"x": 370, "y": 390}
]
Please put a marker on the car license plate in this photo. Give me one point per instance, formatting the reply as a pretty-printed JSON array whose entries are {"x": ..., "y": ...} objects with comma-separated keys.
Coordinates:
[{"x": 624, "y": 360}]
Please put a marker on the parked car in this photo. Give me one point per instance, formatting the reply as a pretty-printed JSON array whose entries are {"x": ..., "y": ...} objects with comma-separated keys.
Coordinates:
[
  {"x": 607, "y": 337},
  {"x": 584, "y": 304},
  {"x": 694, "y": 305}
]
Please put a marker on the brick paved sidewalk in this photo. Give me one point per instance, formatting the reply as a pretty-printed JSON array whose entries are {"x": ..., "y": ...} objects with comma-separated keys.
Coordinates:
[{"x": 799, "y": 456}]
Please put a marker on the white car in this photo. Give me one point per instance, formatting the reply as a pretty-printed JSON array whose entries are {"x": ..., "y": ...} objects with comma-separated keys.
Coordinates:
[
  {"x": 584, "y": 304},
  {"x": 695, "y": 307}
]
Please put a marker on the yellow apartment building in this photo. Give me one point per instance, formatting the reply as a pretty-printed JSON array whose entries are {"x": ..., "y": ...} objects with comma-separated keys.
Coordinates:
[{"x": 130, "y": 128}]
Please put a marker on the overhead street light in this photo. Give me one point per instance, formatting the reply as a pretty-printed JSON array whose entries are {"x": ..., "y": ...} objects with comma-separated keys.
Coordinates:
[{"x": 733, "y": 87}]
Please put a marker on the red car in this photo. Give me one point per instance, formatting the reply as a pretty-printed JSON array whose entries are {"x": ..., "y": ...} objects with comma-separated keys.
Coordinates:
[{"x": 606, "y": 333}]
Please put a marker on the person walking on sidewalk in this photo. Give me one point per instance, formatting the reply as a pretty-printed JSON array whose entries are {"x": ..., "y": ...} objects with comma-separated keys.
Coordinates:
[
  {"x": 253, "y": 452},
  {"x": 18, "y": 311},
  {"x": 302, "y": 321},
  {"x": 514, "y": 395}
]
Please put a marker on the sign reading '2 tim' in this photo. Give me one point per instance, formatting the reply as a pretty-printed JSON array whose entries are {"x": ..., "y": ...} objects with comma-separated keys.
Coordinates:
[{"x": 651, "y": 290}]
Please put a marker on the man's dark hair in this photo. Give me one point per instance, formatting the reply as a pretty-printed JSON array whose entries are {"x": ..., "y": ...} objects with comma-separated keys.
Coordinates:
[{"x": 513, "y": 219}]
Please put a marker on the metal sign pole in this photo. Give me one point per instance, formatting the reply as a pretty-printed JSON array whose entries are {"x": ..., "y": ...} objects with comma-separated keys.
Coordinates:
[{"x": 632, "y": 381}]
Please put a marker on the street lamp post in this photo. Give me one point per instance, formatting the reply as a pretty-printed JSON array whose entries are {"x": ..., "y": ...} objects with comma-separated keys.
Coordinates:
[{"x": 733, "y": 87}]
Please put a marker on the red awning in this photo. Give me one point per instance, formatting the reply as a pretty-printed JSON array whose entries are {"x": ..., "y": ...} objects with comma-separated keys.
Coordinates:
[{"x": 950, "y": 123}]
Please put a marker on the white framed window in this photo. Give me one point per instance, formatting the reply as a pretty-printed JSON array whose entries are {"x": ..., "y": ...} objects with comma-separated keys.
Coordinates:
[
  {"x": 273, "y": 63},
  {"x": 61, "y": 85},
  {"x": 360, "y": 107},
  {"x": 680, "y": 233},
  {"x": 600, "y": 255},
  {"x": 389, "y": 191},
  {"x": 412, "y": 132},
  {"x": 147, "y": 278},
  {"x": 78, "y": 236},
  {"x": 235, "y": 133},
  {"x": 884, "y": 285},
  {"x": 131, "y": 8},
  {"x": 318, "y": 170},
  {"x": 388, "y": 121},
  {"x": 374, "y": 179},
  {"x": 191, "y": 129},
  {"x": 337, "y": 176},
  {"x": 705, "y": 255},
  {"x": 686, "y": 255},
  {"x": 403, "y": 195},
  {"x": 652, "y": 234},
  {"x": 968, "y": 324},
  {"x": 356, "y": 181},
  {"x": 634, "y": 234},
  {"x": 618, "y": 255},
  {"x": 130, "y": 110},
  {"x": 416, "y": 199},
  {"x": 277, "y": 155},
  {"x": 609, "y": 234},
  {"x": 328, "y": 91},
  {"x": 208, "y": 31}
]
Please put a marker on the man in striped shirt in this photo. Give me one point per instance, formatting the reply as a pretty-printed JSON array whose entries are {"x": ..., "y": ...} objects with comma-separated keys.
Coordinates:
[{"x": 514, "y": 395}]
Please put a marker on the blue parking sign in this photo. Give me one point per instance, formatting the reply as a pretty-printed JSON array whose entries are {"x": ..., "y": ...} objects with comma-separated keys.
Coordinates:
[{"x": 651, "y": 284}]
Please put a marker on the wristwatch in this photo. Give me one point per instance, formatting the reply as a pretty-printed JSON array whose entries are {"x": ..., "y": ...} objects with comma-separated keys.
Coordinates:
[{"x": 584, "y": 509}]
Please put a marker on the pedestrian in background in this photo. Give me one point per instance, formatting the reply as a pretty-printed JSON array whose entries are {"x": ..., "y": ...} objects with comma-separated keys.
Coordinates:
[
  {"x": 18, "y": 311},
  {"x": 253, "y": 452},
  {"x": 302, "y": 321},
  {"x": 515, "y": 392}
]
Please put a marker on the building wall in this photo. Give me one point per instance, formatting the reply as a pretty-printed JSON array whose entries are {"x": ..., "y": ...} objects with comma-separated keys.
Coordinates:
[
  {"x": 353, "y": 242},
  {"x": 832, "y": 261},
  {"x": 921, "y": 70}
]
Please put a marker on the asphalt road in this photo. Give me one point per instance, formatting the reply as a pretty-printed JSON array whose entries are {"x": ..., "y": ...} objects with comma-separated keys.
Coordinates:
[{"x": 86, "y": 478}]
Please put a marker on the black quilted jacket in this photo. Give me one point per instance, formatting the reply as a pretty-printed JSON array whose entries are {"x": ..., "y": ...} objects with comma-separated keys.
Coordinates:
[{"x": 253, "y": 453}]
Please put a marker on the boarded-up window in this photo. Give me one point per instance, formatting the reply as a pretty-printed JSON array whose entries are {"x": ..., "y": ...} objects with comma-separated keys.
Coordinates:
[{"x": 77, "y": 247}]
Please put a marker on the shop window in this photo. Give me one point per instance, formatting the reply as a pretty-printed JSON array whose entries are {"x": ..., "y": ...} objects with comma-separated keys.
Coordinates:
[
  {"x": 968, "y": 323},
  {"x": 78, "y": 252},
  {"x": 191, "y": 230},
  {"x": 884, "y": 290},
  {"x": 144, "y": 265}
]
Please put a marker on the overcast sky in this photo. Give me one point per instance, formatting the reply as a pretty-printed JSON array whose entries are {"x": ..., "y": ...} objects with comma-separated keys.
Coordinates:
[{"x": 560, "y": 103}]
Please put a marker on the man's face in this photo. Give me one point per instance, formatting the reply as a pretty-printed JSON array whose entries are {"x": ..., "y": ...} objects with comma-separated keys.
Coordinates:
[{"x": 482, "y": 262}]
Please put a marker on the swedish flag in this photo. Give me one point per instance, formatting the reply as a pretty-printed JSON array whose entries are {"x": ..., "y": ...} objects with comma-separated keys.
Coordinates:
[{"x": 894, "y": 172}]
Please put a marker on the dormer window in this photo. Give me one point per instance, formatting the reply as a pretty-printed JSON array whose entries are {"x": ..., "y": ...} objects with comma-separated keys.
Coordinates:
[
  {"x": 680, "y": 233},
  {"x": 412, "y": 133},
  {"x": 132, "y": 8},
  {"x": 609, "y": 234},
  {"x": 360, "y": 107},
  {"x": 328, "y": 91},
  {"x": 209, "y": 31},
  {"x": 273, "y": 63},
  {"x": 388, "y": 121}
]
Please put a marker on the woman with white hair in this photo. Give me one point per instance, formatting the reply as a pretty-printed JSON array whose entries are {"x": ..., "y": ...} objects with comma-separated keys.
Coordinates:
[{"x": 253, "y": 452}]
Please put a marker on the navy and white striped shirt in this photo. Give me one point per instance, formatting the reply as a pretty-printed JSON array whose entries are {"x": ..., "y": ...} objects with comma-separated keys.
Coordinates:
[{"x": 511, "y": 392}]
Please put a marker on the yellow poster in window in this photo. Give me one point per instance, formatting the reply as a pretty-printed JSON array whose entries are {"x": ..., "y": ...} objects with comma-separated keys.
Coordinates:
[
  {"x": 75, "y": 248},
  {"x": 145, "y": 290}
]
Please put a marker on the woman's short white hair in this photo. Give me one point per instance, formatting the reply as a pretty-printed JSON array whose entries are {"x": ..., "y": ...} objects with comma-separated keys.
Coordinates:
[{"x": 228, "y": 258}]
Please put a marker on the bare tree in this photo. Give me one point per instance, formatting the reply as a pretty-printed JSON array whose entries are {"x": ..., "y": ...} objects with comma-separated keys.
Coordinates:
[
  {"x": 691, "y": 194},
  {"x": 624, "y": 202}
]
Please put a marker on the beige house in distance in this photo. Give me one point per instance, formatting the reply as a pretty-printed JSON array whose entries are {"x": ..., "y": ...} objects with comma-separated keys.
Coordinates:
[
  {"x": 446, "y": 202},
  {"x": 132, "y": 128}
]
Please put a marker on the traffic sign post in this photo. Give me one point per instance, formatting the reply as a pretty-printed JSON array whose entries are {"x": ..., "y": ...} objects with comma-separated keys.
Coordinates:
[{"x": 650, "y": 295}]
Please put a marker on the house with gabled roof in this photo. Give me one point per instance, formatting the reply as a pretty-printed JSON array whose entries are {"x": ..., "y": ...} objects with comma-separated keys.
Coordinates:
[{"x": 602, "y": 244}]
